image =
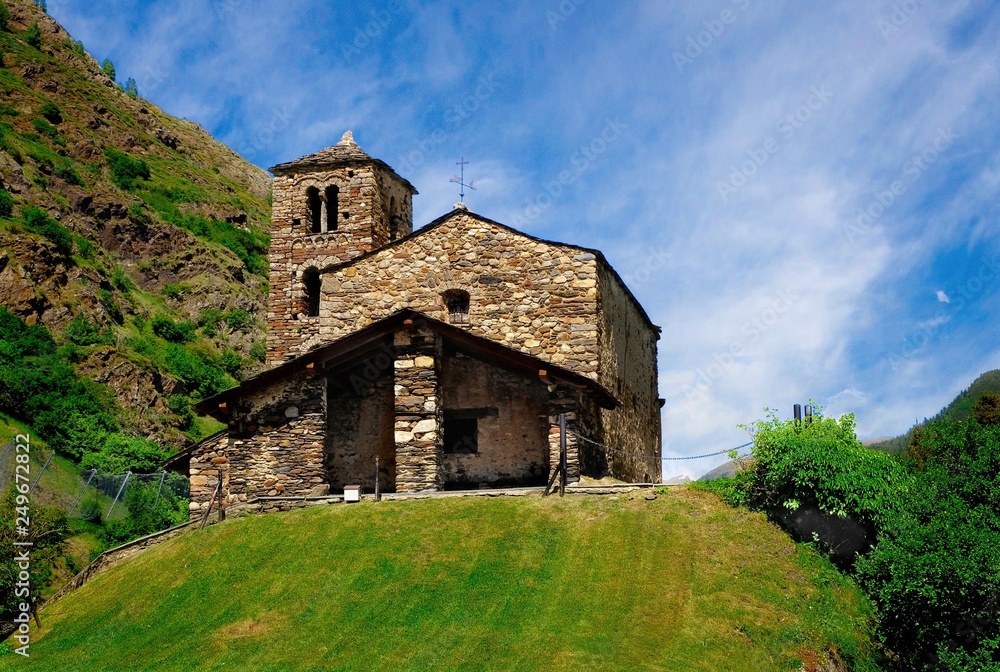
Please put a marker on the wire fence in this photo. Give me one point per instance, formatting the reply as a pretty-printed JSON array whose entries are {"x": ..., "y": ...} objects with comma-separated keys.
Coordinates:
[{"x": 619, "y": 451}]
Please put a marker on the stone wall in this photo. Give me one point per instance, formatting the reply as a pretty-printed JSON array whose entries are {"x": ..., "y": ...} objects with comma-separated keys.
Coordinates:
[
  {"x": 629, "y": 371},
  {"x": 207, "y": 460},
  {"x": 512, "y": 424},
  {"x": 276, "y": 440},
  {"x": 366, "y": 193},
  {"x": 529, "y": 295},
  {"x": 417, "y": 413}
]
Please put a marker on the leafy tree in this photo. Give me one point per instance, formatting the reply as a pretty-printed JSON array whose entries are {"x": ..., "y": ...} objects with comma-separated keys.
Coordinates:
[
  {"x": 33, "y": 36},
  {"x": 986, "y": 411},
  {"x": 6, "y": 203},
  {"x": 109, "y": 68},
  {"x": 131, "y": 88}
]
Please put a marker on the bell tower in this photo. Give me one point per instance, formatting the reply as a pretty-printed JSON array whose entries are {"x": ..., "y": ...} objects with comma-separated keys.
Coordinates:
[{"x": 328, "y": 208}]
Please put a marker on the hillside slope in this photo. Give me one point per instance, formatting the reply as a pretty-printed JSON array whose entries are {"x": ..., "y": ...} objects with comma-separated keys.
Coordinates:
[
  {"x": 582, "y": 583},
  {"x": 958, "y": 410},
  {"x": 121, "y": 215}
]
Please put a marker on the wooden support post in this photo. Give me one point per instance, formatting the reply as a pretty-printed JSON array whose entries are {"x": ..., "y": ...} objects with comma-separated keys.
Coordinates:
[
  {"x": 376, "y": 479},
  {"x": 562, "y": 454},
  {"x": 208, "y": 511},
  {"x": 222, "y": 500}
]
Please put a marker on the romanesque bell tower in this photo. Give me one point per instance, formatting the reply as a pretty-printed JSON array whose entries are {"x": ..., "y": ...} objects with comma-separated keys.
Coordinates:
[{"x": 328, "y": 208}]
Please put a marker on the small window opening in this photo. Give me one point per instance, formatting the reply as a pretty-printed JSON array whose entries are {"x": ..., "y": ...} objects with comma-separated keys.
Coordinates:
[
  {"x": 312, "y": 282},
  {"x": 457, "y": 301},
  {"x": 346, "y": 215},
  {"x": 332, "y": 194},
  {"x": 315, "y": 209},
  {"x": 461, "y": 434}
]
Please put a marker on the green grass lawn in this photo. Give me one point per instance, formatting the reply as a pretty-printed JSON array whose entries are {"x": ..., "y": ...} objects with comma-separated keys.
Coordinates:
[{"x": 680, "y": 583}]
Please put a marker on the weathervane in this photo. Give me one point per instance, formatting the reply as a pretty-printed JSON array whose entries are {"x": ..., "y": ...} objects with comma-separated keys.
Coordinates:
[{"x": 460, "y": 180}]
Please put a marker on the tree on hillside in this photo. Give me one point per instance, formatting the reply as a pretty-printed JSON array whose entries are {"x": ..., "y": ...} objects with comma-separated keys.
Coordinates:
[
  {"x": 986, "y": 411},
  {"x": 131, "y": 88},
  {"x": 47, "y": 533},
  {"x": 109, "y": 68},
  {"x": 4, "y": 15},
  {"x": 33, "y": 36}
]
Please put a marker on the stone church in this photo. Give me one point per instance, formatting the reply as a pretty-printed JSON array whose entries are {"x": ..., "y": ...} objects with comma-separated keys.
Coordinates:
[{"x": 447, "y": 353}]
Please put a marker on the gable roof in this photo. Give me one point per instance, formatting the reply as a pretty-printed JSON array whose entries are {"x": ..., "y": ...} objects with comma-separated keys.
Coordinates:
[
  {"x": 344, "y": 153},
  {"x": 459, "y": 211},
  {"x": 344, "y": 348}
]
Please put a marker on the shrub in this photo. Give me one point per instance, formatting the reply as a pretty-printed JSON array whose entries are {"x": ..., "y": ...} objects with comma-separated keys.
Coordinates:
[
  {"x": 175, "y": 332},
  {"x": 82, "y": 331},
  {"x": 33, "y": 36},
  {"x": 181, "y": 405},
  {"x": 45, "y": 128},
  {"x": 52, "y": 112},
  {"x": 151, "y": 509},
  {"x": 121, "y": 279},
  {"x": 258, "y": 351},
  {"x": 198, "y": 369},
  {"x": 239, "y": 320},
  {"x": 76, "y": 46},
  {"x": 6, "y": 204},
  {"x": 84, "y": 247},
  {"x": 137, "y": 213},
  {"x": 38, "y": 221},
  {"x": 108, "y": 68},
  {"x": 65, "y": 169},
  {"x": 231, "y": 362},
  {"x": 110, "y": 305},
  {"x": 121, "y": 454},
  {"x": 91, "y": 510},
  {"x": 175, "y": 289},
  {"x": 126, "y": 171},
  {"x": 4, "y": 15}
]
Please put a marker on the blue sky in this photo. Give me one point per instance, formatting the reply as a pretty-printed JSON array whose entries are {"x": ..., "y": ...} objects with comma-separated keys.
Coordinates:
[{"x": 803, "y": 195}]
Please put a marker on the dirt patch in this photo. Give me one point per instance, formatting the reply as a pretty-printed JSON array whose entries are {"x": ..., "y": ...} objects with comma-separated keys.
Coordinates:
[{"x": 247, "y": 628}]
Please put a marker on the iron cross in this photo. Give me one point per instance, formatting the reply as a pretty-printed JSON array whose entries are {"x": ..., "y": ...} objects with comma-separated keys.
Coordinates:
[{"x": 460, "y": 180}]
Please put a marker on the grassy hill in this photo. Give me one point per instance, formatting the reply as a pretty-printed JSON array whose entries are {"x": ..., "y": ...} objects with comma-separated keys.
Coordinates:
[{"x": 609, "y": 583}]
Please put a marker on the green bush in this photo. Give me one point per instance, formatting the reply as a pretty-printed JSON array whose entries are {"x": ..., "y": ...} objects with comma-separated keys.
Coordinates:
[
  {"x": 258, "y": 351},
  {"x": 121, "y": 279},
  {"x": 91, "y": 510},
  {"x": 82, "y": 331},
  {"x": 38, "y": 221},
  {"x": 110, "y": 305},
  {"x": 137, "y": 213},
  {"x": 52, "y": 112},
  {"x": 65, "y": 169},
  {"x": 109, "y": 68},
  {"x": 181, "y": 405},
  {"x": 198, "y": 369},
  {"x": 174, "y": 290},
  {"x": 45, "y": 128},
  {"x": 151, "y": 509},
  {"x": 121, "y": 454},
  {"x": 239, "y": 320},
  {"x": 84, "y": 247},
  {"x": 126, "y": 172},
  {"x": 175, "y": 332},
  {"x": 6, "y": 204},
  {"x": 33, "y": 36},
  {"x": 4, "y": 15}
]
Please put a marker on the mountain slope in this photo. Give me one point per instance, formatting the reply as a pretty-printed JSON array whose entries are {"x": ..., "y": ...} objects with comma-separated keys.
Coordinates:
[
  {"x": 582, "y": 583},
  {"x": 122, "y": 215},
  {"x": 959, "y": 409}
]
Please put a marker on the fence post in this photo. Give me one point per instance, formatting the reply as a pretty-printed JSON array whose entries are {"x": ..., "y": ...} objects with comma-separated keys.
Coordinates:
[
  {"x": 128, "y": 475},
  {"x": 44, "y": 467},
  {"x": 162, "y": 477},
  {"x": 93, "y": 473}
]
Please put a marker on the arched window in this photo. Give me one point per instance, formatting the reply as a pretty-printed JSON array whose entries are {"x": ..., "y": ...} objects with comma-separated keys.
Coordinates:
[
  {"x": 457, "y": 301},
  {"x": 311, "y": 282},
  {"x": 332, "y": 195},
  {"x": 315, "y": 209}
]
